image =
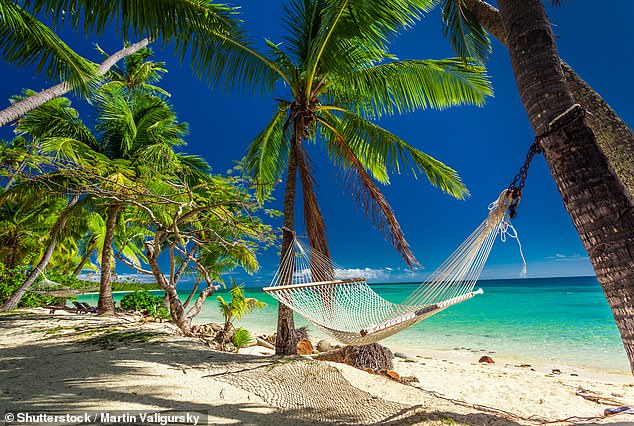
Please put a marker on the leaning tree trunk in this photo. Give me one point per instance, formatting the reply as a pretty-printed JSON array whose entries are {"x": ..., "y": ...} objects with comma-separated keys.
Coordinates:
[
  {"x": 286, "y": 341},
  {"x": 600, "y": 207},
  {"x": 105, "y": 305},
  {"x": 89, "y": 251},
  {"x": 613, "y": 136},
  {"x": 18, "y": 109},
  {"x": 13, "y": 301}
]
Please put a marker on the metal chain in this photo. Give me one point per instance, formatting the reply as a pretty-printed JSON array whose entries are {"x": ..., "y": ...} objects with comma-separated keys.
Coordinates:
[
  {"x": 517, "y": 185},
  {"x": 572, "y": 114}
]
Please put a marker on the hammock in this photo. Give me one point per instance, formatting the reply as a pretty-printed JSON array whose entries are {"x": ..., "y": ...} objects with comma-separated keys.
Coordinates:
[
  {"x": 52, "y": 288},
  {"x": 345, "y": 306}
]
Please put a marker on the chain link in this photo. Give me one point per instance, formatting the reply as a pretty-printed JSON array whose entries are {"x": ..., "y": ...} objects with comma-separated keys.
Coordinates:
[{"x": 517, "y": 185}]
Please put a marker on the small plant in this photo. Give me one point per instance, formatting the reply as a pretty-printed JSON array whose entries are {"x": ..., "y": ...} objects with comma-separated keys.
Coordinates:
[
  {"x": 241, "y": 337},
  {"x": 143, "y": 301},
  {"x": 236, "y": 309}
]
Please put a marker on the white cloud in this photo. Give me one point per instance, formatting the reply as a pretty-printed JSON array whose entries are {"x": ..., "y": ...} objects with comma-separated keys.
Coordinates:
[
  {"x": 559, "y": 257},
  {"x": 95, "y": 277}
]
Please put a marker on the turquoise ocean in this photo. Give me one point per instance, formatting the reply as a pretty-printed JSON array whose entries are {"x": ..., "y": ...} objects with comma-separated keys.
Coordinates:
[{"x": 551, "y": 321}]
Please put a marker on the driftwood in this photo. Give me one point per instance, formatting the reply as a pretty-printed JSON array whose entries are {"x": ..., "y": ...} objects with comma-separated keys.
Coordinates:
[
  {"x": 374, "y": 357},
  {"x": 264, "y": 343}
]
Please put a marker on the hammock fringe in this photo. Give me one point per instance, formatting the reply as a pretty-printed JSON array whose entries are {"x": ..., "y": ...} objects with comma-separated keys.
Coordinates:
[{"x": 344, "y": 305}]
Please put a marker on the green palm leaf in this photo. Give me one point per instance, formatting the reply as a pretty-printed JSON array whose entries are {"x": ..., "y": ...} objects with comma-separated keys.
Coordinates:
[
  {"x": 380, "y": 151},
  {"x": 468, "y": 38},
  {"x": 267, "y": 156},
  {"x": 206, "y": 32},
  {"x": 25, "y": 41},
  {"x": 407, "y": 86}
]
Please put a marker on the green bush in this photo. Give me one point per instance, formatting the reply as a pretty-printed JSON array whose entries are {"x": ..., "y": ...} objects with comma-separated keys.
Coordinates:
[
  {"x": 10, "y": 282},
  {"x": 143, "y": 301}
]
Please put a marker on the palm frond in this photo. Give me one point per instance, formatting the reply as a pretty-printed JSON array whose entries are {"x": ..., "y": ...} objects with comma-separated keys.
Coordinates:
[
  {"x": 406, "y": 86},
  {"x": 267, "y": 156},
  {"x": 54, "y": 118},
  {"x": 371, "y": 199},
  {"x": 206, "y": 32},
  {"x": 380, "y": 151},
  {"x": 367, "y": 23},
  {"x": 25, "y": 41},
  {"x": 468, "y": 38}
]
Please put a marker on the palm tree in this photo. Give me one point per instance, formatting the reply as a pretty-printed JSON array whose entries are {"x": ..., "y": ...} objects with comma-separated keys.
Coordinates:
[
  {"x": 135, "y": 132},
  {"x": 206, "y": 32},
  {"x": 600, "y": 208},
  {"x": 236, "y": 309},
  {"x": 465, "y": 22},
  {"x": 339, "y": 76}
]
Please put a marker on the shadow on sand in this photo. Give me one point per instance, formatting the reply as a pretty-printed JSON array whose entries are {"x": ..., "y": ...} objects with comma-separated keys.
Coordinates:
[{"x": 73, "y": 363}]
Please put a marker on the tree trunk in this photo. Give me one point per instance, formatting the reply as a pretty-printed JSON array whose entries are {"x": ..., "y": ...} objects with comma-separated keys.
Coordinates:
[
  {"x": 89, "y": 251},
  {"x": 286, "y": 341},
  {"x": 13, "y": 301},
  {"x": 600, "y": 207},
  {"x": 613, "y": 136},
  {"x": 105, "y": 305},
  {"x": 12, "y": 248},
  {"x": 27, "y": 105}
]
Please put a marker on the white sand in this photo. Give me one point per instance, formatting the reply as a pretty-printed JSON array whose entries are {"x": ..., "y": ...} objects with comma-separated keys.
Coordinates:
[{"x": 44, "y": 366}]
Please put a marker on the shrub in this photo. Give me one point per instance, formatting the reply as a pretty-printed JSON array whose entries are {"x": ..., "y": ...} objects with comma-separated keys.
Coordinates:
[
  {"x": 143, "y": 301},
  {"x": 10, "y": 282}
]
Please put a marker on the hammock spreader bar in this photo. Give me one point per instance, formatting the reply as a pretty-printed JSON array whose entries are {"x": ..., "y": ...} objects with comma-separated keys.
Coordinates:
[{"x": 347, "y": 308}]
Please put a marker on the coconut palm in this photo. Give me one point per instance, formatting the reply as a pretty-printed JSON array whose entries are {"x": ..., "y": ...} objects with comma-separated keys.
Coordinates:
[
  {"x": 206, "y": 32},
  {"x": 465, "y": 24},
  {"x": 236, "y": 309},
  {"x": 339, "y": 76},
  {"x": 594, "y": 182},
  {"x": 135, "y": 132}
]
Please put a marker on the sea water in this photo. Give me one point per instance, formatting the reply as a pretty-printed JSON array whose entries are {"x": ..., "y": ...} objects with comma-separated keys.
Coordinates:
[{"x": 552, "y": 321}]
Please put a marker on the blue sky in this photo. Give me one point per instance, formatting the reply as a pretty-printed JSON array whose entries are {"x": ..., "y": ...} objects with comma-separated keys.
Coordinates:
[{"x": 486, "y": 145}]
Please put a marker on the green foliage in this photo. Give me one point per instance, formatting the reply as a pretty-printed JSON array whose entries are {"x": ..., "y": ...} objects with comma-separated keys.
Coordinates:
[
  {"x": 10, "y": 281},
  {"x": 241, "y": 337},
  {"x": 143, "y": 301},
  {"x": 468, "y": 38},
  {"x": 339, "y": 75},
  {"x": 238, "y": 307}
]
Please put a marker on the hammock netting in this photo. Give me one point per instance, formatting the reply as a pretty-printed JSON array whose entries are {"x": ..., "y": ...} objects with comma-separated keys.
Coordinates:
[
  {"x": 346, "y": 307},
  {"x": 54, "y": 289}
]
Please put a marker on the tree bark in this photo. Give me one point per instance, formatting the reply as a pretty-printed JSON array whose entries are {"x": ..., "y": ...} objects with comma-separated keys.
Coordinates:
[
  {"x": 27, "y": 105},
  {"x": 13, "y": 301},
  {"x": 286, "y": 341},
  {"x": 80, "y": 267},
  {"x": 600, "y": 207},
  {"x": 613, "y": 136},
  {"x": 105, "y": 305}
]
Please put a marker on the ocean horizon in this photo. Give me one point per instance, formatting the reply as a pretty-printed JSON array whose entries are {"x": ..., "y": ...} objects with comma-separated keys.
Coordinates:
[{"x": 548, "y": 321}]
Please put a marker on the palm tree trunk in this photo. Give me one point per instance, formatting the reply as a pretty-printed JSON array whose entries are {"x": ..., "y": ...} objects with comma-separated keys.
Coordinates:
[
  {"x": 613, "y": 136},
  {"x": 12, "y": 248},
  {"x": 600, "y": 207},
  {"x": 80, "y": 267},
  {"x": 13, "y": 301},
  {"x": 27, "y": 105},
  {"x": 105, "y": 305},
  {"x": 286, "y": 341}
]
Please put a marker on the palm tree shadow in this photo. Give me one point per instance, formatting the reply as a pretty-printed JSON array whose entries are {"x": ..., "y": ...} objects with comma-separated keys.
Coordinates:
[{"x": 78, "y": 364}]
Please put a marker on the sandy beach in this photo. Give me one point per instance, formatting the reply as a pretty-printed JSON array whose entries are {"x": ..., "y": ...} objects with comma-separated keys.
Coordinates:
[{"x": 73, "y": 363}]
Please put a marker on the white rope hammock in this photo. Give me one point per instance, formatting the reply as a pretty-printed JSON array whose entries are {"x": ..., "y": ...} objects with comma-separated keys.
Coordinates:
[
  {"x": 52, "y": 288},
  {"x": 349, "y": 310}
]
